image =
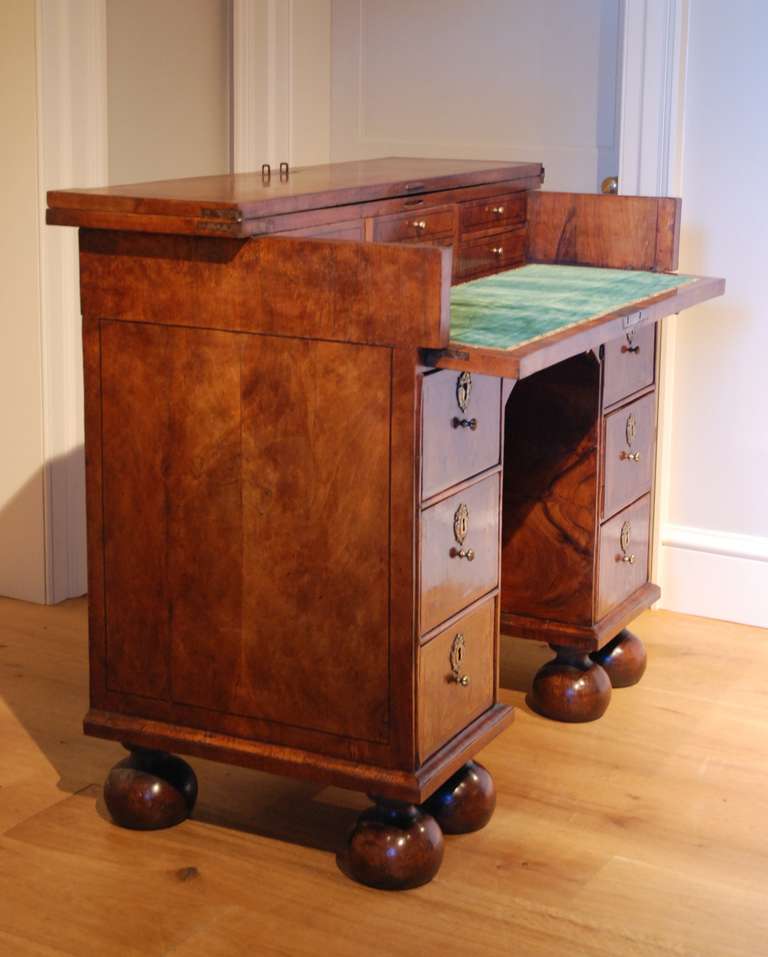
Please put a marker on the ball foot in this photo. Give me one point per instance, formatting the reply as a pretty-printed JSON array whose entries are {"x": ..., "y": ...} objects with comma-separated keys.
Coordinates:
[
  {"x": 149, "y": 790},
  {"x": 571, "y": 687},
  {"x": 623, "y": 659},
  {"x": 393, "y": 846},
  {"x": 465, "y": 802}
]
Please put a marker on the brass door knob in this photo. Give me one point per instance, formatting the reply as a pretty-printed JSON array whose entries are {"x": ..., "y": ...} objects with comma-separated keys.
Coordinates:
[
  {"x": 462, "y": 680},
  {"x": 628, "y": 559}
]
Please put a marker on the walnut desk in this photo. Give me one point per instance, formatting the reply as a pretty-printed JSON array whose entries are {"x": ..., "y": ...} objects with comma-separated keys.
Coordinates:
[{"x": 334, "y": 438}]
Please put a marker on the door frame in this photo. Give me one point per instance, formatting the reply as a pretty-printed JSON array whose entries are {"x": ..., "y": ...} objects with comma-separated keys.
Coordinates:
[{"x": 651, "y": 146}]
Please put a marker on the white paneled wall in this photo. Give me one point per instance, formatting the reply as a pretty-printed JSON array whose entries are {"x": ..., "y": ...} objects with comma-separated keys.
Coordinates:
[{"x": 487, "y": 79}]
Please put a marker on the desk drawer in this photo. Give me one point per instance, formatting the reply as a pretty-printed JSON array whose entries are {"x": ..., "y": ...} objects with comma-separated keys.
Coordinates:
[
  {"x": 492, "y": 254},
  {"x": 498, "y": 211},
  {"x": 456, "y": 672},
  {"x": 623, "y": 555},
  {"x": 424, "y": 224},
  {"x": 459, "y": 551},
  {"x": 461, "y": 428},
  {"x": 630, "y": 438},
  {"x": 628, "y": 364}
]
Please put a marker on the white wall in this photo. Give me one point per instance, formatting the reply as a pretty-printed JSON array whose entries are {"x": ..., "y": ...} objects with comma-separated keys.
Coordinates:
[
  {"x": 22, "y": 543},
  {"x": 168, "y": 70},
  {"x": 715, "y": 552},
  {"x": 523, "y": 80}
]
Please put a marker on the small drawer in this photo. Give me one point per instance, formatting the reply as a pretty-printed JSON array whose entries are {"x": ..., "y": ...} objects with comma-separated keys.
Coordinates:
[
  {"x": 630, "y": 440},
  {"x": 628, "y": 364},
  {"x": 498, "y": 211},
  {"x": 491, "y": 255},
  {"x": 422, "y": 225},
  {"x": 623, "y": 555},
  {"x": 456, "y": 672},
  {"x": 459, "y": 551},
  {"x": 460, "y": 428}
]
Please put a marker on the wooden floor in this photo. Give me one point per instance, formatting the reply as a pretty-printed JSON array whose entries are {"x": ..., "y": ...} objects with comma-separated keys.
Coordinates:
[{"x": 642, "y": 834}]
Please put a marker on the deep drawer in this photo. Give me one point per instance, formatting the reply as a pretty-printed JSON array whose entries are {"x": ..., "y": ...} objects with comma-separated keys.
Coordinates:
[
  {"x": 623, "y": 555},
  {"x": 630, "y": 439},
  {"x": 498, "y": 211},
  {"x": 461, "y": 428},
  {"x": 628, "y": 364},
  {"x": 424, "y": 225},
  {"x": 456, "y": 672},
  {"x": 459, "y": 551},
  {"x": 491, "y": 254}
]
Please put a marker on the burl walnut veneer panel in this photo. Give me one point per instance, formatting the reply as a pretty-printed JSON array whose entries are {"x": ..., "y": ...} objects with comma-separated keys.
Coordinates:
[
  {"x": 224, "y": 481},
  {"x": 550, "y": 492},
  {"x": 621, "y": 232}
]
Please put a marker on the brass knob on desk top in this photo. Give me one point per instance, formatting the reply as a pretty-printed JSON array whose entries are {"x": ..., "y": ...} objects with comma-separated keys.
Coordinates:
[
  {"x": 420, "y": 224},
  {"x": 465, "y": 424},
  {"x": 497, "y": 250},
  {"x": 631, "y": 456},
  {"x": 468, "y": 553}
]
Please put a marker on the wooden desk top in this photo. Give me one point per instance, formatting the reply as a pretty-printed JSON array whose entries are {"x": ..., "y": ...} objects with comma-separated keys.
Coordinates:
[{"x": 243, "y": 196}]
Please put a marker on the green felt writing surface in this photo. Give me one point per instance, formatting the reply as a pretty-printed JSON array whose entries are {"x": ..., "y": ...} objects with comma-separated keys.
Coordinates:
[{"x": 520, "y": 305}]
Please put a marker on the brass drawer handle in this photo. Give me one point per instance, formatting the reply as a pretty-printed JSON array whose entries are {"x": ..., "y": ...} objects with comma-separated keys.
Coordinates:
[
  {"x": 468, "y": 553},
  {"x": 497, "y": 251},
  {"x": 457, "y": 659},
  {"x": 631, "y": 456},
  {"x": 465, "y": 424},
  {"x": 496, "y": 210},
  {"x": 420, "y": 224}
]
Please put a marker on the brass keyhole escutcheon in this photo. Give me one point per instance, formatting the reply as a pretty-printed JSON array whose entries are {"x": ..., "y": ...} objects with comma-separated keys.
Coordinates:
[
  {"x": 461, "y": 523},
  {"x": 631, "y": 429},
  {"x": 457, "y": 660},
  {"x": 624, "y": 540},
  {"x": 463, "y": 390}
]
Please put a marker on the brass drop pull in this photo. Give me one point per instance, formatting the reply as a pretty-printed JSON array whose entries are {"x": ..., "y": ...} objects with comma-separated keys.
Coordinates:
[
  {"x": 420, "y": 224},
  {"x": 631, "y": 456},
  {"x": 624, "y": 538},
  {"x": 465, "y": 424},
  {"x": 468, "y": 553},
  {"x": 630, "y": 346},
  {"x": 457, "y": 659},
  {"x": 497, "y": 251}
]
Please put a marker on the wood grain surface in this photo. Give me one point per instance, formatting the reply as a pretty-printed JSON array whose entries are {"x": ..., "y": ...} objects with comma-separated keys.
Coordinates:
[{"x": 639, "y": 834}]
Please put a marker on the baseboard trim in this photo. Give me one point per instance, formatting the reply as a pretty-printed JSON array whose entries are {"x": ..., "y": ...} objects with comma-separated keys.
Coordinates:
[{"x": 714, "y": 574}]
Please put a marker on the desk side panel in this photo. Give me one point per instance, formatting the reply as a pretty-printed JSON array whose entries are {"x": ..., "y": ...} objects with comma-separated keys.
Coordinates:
[{"x": 251, "y": 516}]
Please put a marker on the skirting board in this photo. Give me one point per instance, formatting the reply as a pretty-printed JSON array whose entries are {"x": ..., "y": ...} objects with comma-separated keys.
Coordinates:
[{"x": 714, "y": 574}]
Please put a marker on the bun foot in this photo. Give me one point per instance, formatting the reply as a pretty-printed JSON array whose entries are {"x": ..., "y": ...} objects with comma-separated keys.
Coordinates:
[
  {"x": 571, "y": 687},
  {"x": 393, "y": 846},
  {"x": 623, "y": 658},
  {"x": 465, "y": 802},
  {"x": 150, "y": 790}
]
